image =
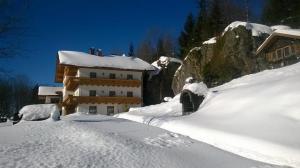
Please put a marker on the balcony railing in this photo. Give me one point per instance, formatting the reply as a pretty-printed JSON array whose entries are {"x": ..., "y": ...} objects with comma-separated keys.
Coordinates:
[
  {"x": 75, "y": 100},
  {"x": 72, "y": 83}
]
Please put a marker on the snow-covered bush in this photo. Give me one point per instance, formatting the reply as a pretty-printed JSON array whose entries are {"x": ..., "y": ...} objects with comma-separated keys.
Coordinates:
[{"x": 39, "y": 112}]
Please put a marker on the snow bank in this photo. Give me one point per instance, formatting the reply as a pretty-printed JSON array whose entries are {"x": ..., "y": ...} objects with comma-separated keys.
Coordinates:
[
  {"x": 256, "y": 116},
  {"x": 48, "y": 90},
  {"x": 112, "y": 61},
  {"x": 257, "y": 29},
  {"x": 39, "y": 112}
]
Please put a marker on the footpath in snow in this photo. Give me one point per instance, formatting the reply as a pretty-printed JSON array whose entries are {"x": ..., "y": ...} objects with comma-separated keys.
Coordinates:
[
  {"x": 256, "y": 116},
  {"x": 103, "y": 141}
]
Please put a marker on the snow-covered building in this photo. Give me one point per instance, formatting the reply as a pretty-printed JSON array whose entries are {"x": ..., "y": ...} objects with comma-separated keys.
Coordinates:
[
  {"x": 100, "y": 84},
  {"x": 281, "y": 48},
  {"x": 48, "y": 94}
]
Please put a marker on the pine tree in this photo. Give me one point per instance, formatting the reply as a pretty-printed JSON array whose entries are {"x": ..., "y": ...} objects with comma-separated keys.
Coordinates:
[
  {"x": 186, "y": 35},
  {"x": 282, "y": 12},
  {"x": 131, "y": 50},
  {"x": 201, "y": 28},
  {"x": 216, "y": 20}
]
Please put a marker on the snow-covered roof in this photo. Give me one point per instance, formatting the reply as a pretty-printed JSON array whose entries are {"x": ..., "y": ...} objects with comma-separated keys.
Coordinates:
[
  {"x": 257, "y": 29},
  {"x": 82, "y": 59},
  {"x": 292, "y": 33},
  {"x": 280, "y": 27},
  {"x": 49, "y": 90},
  {"x": 197, "y": 88}
]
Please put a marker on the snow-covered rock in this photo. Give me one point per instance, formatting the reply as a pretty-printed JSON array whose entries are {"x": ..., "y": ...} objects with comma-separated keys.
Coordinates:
[
  {"x": 257, "y": 29},
  {"x": 163, "y": 61},
  {"x": 39, "y": 112},
  {"x": 211, "y": 41}
]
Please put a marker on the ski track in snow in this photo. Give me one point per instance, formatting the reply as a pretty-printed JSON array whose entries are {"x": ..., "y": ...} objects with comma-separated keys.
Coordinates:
[{"x": 99, "y": 141}]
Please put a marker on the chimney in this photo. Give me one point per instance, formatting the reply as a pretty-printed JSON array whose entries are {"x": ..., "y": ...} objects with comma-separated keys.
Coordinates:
[
  {"x": 99, "y": 52},
  {"x": 92, "y": 51}
]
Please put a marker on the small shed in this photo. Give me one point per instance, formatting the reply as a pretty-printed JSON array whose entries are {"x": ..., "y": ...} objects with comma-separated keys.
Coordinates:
[
  {"x": 192, "y": 95},
  {"x": 190, "y": 101}
]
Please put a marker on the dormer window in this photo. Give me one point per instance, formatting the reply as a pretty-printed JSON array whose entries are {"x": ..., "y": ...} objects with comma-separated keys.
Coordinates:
[{"x": 93, "y": 75}]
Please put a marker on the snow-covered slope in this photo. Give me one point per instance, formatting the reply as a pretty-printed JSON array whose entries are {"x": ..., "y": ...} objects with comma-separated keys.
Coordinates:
[
  {"x": 101, "y": 141},
  {"x": 256, "y": 116}
]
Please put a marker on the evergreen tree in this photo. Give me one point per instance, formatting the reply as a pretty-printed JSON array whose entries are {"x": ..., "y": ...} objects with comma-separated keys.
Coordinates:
[
  {"x": 216, "y": 20},
  {"x": 201, "y": 28},
  {"x": 131, "y": 50},
  {"x": 186, "y": 35},
  {"x": 282, "y": 12}
]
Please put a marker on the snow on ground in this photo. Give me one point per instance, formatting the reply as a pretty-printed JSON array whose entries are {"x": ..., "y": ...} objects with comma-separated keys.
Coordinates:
[
  {"x": 257, "y": 29},
  {"x": 256, "y": 116},
  {"x": 80, "y": 140},
  {"x": 38, "y": 111}
]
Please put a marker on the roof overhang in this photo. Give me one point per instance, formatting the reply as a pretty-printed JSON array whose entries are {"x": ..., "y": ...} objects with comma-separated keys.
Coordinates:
[{"x": 274, "y": 36}]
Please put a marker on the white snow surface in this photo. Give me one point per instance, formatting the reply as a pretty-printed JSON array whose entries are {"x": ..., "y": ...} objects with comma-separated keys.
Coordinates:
[
  {"x": 91, "y": 141},
  {"x": 256, "y": 116},
  {"x": 197, "y": 88},
  {"x": 49, "y": 90},
  {"x": 112, "y": 61},
  {"x": 211, "y": 41},
  {"x": 257, "y": 29},
  {"x": 39, "y": 111}
]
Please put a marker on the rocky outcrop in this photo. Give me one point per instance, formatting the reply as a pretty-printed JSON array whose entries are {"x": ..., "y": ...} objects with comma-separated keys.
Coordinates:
[
  {"x": 232, "y": 56},
  {"x": 157, "y": 85}
]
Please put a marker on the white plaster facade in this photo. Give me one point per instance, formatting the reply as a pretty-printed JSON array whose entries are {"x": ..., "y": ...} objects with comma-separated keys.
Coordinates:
[{"x": 84, "y": 90}]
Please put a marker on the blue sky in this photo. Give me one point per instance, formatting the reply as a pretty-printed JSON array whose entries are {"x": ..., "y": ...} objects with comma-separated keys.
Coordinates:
[{"x": 79, "y": 24}]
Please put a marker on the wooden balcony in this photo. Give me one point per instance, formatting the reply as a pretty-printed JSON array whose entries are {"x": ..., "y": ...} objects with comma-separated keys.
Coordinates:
[
  {"x": 75, "y": 100},
  {"x": 72, "y": 83}
]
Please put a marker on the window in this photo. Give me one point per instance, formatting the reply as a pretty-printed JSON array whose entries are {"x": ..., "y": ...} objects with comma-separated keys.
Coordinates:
[
  {"x": 54, "y": 100},
  {"x": 129, "y": 94},
  {"x": 129, "y": 77},
  {"x": 112, "y": 93},
  {"x": 92, "y": 92},
  {"x": 293, "y": 49},
  {"x": 279, "y": 54},
  {"x": 274, "y": 56},
  {"x": 93, "y": 75},
  {"x": 92, "y": 109},
  {"x": 112, "y": 76},
  {"x": 110, "y": 110},
  {"x": 286, "y": 51}
]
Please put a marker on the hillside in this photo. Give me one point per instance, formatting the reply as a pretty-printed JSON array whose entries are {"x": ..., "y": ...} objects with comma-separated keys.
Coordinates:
[{"x": 255, "y": 116}]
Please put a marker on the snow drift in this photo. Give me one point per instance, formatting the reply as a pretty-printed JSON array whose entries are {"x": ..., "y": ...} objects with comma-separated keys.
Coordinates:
[
  {"x": 256, "y": 116},
  {"x": 39, "y": 112}
]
